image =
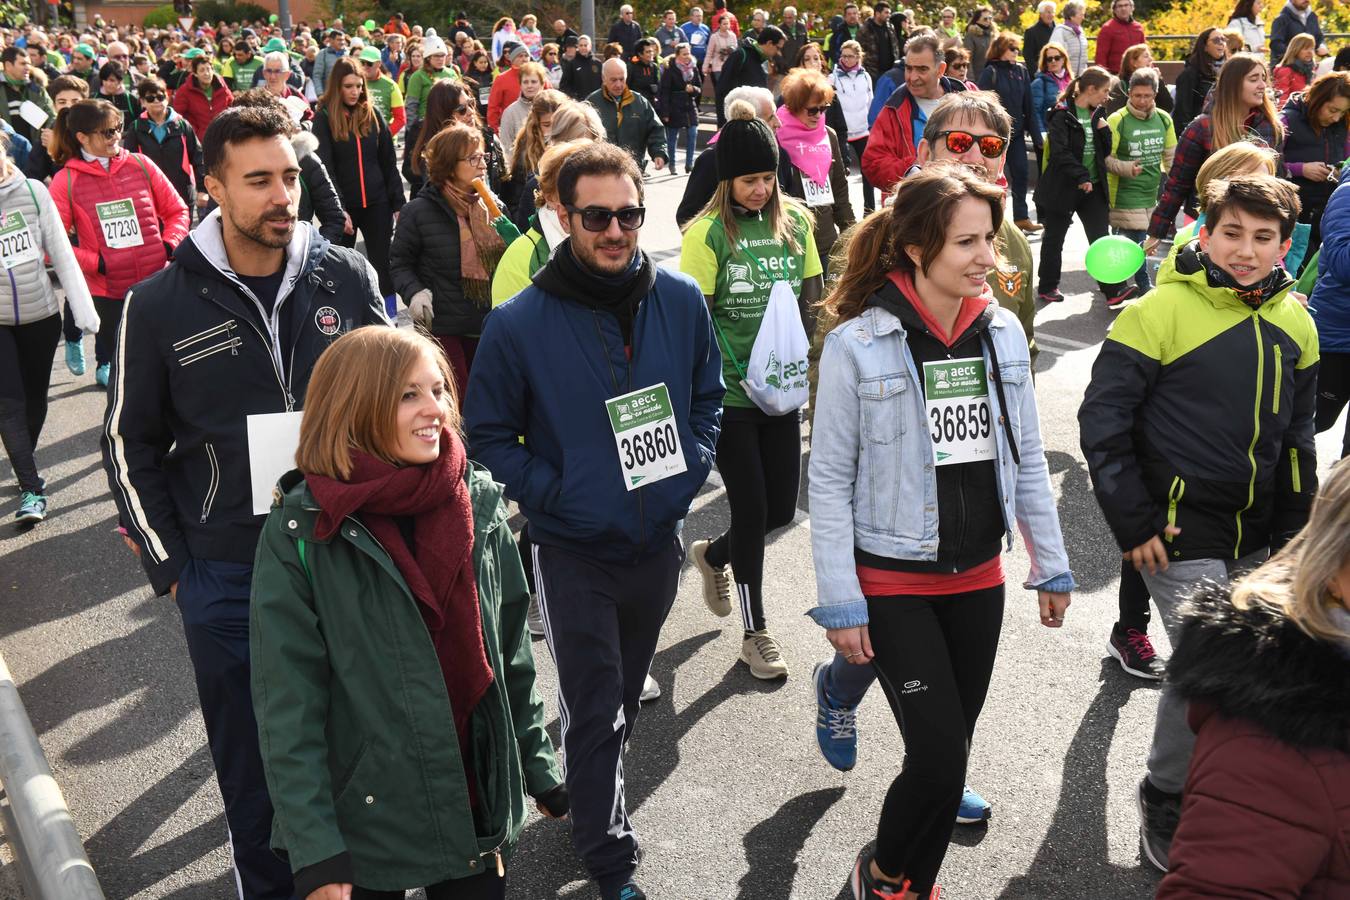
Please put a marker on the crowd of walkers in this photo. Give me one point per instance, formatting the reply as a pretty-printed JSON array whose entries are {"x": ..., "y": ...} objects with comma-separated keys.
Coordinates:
[{"x": 360, "y": 624}]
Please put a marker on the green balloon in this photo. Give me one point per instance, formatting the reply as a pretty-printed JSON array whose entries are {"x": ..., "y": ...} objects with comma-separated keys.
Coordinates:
[
  {"x": 370, "y": 24},
  {"x": 1113, "y": 259},
  {"x": 272, "y": 19}
]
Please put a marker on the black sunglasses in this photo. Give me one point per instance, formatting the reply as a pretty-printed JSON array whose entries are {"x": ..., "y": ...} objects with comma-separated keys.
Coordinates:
[
  {"x": 596, "y": 218},
  {"x": 462, "y": 109},
  {"x": 1051, "y": 59},
  {"x": 816, "y": 110},
  {"x": 153, "y": 98},
  {"x": 958, "y": 142},
  {"x": 107, "y": 134}
]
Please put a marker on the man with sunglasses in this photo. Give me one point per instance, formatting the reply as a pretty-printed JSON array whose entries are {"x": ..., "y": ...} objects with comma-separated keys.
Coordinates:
[
  {"x": 899, "y": 116},
  {"x": 383, "y": 90},
  {"x": 613, "y": 454}
]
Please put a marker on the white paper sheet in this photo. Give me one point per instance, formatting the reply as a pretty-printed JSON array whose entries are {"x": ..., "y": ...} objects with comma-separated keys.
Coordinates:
[{"x": 272, "y": 439}]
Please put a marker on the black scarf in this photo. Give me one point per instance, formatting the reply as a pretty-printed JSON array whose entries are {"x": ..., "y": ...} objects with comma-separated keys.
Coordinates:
[
  {"x": 620, "y": 295},
  {"x": 1251, "y": 294}
]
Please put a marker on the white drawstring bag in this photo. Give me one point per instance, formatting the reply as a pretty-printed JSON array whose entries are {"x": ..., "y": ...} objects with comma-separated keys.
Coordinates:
[{"x": 775, "y": 378}]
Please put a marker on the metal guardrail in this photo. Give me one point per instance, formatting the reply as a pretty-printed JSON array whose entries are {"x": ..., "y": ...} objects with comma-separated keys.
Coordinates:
[{"x": 36, "y": 821}]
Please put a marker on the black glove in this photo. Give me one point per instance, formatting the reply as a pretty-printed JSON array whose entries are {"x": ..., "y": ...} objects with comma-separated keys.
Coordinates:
[{"x": 555, "y": 801}]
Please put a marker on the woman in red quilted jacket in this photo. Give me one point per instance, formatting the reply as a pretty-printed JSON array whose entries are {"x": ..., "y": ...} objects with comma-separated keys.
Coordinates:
[
  {"x": 124, "y": 213},
  {"x": 201, "y": 98},
  {"x": 1267, "y": 673}
]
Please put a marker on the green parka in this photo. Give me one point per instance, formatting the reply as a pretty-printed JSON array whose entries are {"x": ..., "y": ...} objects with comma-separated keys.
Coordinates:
[{"x": 357, "y": 737}]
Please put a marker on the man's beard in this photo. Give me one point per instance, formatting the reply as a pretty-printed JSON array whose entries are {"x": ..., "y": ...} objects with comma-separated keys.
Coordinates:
[
  {"x": 588, "y": 257},
  {"x": 258, "y": 232}
]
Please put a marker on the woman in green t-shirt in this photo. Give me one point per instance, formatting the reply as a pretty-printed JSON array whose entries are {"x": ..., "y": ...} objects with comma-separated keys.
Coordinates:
[{"x": 749, "y": 236}]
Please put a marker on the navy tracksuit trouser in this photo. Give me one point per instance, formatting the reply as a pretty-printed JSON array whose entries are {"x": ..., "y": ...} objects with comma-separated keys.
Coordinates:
[
  {"x": 213, "y": 600},
  {"x": 602, "y": 621}
]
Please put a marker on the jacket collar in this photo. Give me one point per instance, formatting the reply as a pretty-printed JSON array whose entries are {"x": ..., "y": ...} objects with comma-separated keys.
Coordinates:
[
  {"x": 883, "y": 321},
  {"x": 1186, "y": 267},
  {"x": 1256, "y": 664},
  {"x": 902, "y": 95},
  {"x": 208, "y": 242}
]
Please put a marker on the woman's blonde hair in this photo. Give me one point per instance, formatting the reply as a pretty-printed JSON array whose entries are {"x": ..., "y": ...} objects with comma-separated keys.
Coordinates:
[
  {"x": 550, "y": 165},
  {"x": 1297, "y": 44},
  {"x": 1242, "y": 158},
  {"x": 777, "y": 211},
  {"x": 1228, "y": 118},
  {"x": 1063, "y": 51},
  {"x": 353, "y": 396},
  {"x": 531, "y": 140},
  {"x": 576, "y": 122},
  {"x": 1296, "y": 581}
]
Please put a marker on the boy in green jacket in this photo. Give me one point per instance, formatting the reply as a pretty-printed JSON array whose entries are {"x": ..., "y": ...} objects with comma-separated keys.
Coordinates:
[{"x": 1197, "y": 428}]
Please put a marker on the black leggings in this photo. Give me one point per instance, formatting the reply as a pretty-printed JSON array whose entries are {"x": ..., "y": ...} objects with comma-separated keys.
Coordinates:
[
  {"x": 376, "y": 224},
  {"x": 479, "y": 887},
  {"x": 760, "y": 460},
  {"x": 1333, "y": 390},
  {"x": 1134, "y": 599},
  {"x": 933, "y": 657},
  {"x": 1092, "y": 212},
  {"x": 25, "y": 374}
]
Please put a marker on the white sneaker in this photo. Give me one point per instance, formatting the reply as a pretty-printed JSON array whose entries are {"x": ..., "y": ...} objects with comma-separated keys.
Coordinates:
[
  {"x": 760, "y": 652},
  {"x": 716, "y": 582},
  {"x": 650, "y": 690},
  {"x": 533, "y": 619}
]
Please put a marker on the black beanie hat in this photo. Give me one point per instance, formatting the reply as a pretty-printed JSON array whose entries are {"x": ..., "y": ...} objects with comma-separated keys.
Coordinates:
[{"x": 746, "y": 146}]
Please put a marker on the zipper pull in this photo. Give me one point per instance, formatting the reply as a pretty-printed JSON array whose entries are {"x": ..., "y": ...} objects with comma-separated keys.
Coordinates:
[
  {"x": 290, "y": 401},
  {"x": 501, "y": 870}
]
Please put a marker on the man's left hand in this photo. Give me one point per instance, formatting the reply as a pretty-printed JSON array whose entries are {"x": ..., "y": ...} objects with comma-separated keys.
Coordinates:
[{"x": 658, "y": 163}]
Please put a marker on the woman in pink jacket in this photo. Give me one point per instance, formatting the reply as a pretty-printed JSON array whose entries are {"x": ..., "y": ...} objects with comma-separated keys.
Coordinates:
[{"x": 124, "y": 213}]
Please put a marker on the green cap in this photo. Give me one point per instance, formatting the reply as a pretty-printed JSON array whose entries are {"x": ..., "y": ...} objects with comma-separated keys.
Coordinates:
[
  {"x": 86, "y": 50},
  {"x": 275, "y": 45},
  {"x": 193, "y": 53},
  {"x": 369, "y": 54}
]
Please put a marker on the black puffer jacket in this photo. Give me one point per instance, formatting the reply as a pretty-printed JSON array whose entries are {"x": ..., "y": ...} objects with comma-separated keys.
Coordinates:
[
  {"x": 678, "y": 108},
  {"x": 178, "y": 156},
  {"x": 365, "y": 171},
  {"x": 425, "y": 255},
  {"x": 318, "y": 197}
]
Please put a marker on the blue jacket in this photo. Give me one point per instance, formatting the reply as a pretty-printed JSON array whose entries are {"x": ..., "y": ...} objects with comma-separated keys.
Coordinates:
[
  {"x": 1286, "y": 26},
  {"x": 886, "y": 84},
  {"x": 1330, "y": 301},
  {"x": 544, "y": 368},
  {"x": 1044, "y": 95}
]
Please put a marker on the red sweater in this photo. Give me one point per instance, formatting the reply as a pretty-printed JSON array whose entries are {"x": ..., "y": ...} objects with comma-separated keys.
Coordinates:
[
  {"x": 505, "y": 91},
  {"x": 1113, "y": 40}
]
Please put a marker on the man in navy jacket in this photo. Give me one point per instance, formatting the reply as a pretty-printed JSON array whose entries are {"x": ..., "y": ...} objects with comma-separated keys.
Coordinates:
[
  {"x": 608, "y": 366},
  {"x": 1296, "y": 18}
]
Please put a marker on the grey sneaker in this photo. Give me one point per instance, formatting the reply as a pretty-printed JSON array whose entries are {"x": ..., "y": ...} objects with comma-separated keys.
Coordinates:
[
  {"x": 534, "y": 620},
  {"x": 650, "y": 690},
  {"x": 1158, "y": 820},
  {"x": 716, "y": 581},
  {"x": 759, "y": 651}
]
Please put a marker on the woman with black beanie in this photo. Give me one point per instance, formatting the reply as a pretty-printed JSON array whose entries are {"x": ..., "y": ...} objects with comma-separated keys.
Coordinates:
[{"x": 748, "y": 237}]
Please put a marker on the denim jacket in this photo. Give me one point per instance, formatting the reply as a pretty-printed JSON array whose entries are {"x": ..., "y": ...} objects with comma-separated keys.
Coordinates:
[{"x": 873, "y": 484}]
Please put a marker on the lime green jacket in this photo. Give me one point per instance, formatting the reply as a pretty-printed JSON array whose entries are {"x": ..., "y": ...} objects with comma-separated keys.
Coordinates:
[
  {"x": 525, "y": 256},
  {"x": 1200, "y": 415}
]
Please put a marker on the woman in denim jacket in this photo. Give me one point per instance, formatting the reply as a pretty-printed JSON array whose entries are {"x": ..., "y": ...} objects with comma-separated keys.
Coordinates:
[{"x": 926, "y": 447}]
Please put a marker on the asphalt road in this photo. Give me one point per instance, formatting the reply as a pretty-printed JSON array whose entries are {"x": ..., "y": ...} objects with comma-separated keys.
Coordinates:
[{"x": 726, "y": 788}]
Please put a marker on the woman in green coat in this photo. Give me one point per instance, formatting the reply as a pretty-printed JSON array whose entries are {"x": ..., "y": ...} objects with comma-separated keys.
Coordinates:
[{"x": 393, "y": 679}]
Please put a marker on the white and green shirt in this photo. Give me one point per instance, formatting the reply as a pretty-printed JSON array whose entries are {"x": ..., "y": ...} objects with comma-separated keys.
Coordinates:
[
  {"x": 739, "y": 279},
  {"x": 1142, "y": 141}
]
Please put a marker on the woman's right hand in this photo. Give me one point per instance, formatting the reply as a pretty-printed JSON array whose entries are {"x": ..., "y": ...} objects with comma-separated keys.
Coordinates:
[
  {"x": 1086, "y": 187},
  {"x": 1316, "y": 171},
  {"x": 1150, "y": 244},
  {"x": 854, "y": 643},
  {"x": 332, "y": 892}
]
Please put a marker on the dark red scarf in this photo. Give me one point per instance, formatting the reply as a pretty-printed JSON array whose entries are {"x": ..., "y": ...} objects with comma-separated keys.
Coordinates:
[{"x": 439, "y": 569}]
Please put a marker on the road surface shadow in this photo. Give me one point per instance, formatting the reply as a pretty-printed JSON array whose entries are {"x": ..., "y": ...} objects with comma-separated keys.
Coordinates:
[
  {"x": 1093, "y": 555},
  {"x": 1072, "y": 858},
  {"x": 772, "y": 846}
]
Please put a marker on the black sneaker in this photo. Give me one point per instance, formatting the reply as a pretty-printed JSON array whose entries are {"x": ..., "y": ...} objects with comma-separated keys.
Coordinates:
[
  {"x": 1134, "y": 651},
  {"x": 863, "y": 886},
  {"x": 1128, "y": 292},
  {"x": 1158, "y": 821}
]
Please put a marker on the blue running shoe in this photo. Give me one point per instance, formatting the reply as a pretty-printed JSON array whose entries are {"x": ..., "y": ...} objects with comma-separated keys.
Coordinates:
[
  {"x": 75, "y": 357},
  {"x": 32, "y": 509},
  {"x": 836, "y": 726},
  {"x": 631, "y": 891},
  {"x": 974, "y": 808},
  {"x": 102, "y": 373}
]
